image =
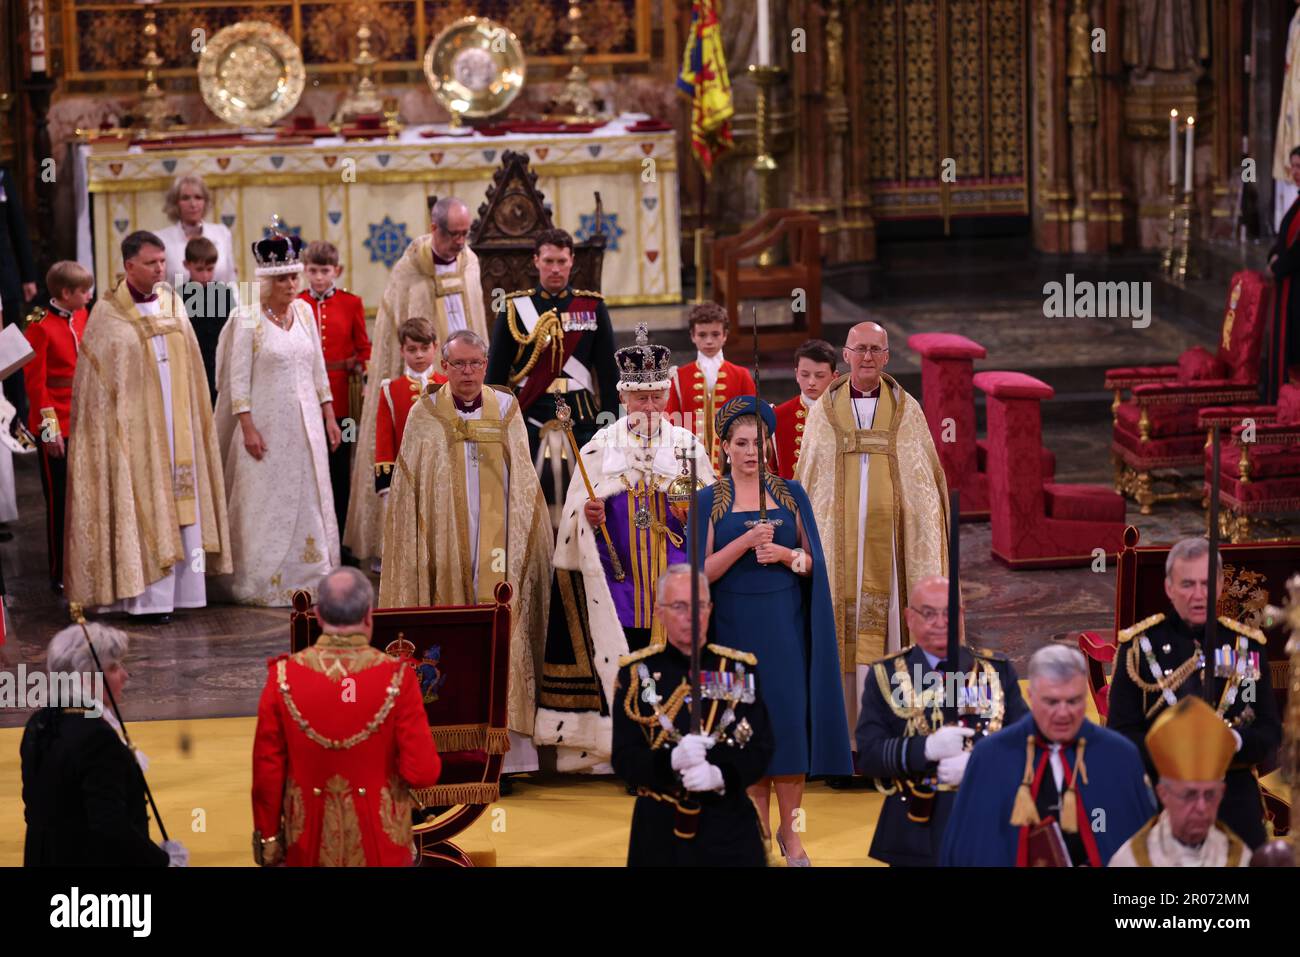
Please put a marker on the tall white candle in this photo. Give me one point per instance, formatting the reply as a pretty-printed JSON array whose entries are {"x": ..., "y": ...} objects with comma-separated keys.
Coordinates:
[
  {"x": 1173, "y": 148},
  {"x": 1187, "y": 166},
  {"x": 764, "y": 34}
]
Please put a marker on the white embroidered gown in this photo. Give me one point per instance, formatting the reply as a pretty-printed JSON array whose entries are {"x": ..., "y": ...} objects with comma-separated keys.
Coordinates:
[{"x": 284, "y": 535}]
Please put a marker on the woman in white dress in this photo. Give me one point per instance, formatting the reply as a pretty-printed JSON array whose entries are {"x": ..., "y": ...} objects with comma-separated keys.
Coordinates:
[
  {"x": 186, "y": 204},
  {"x": 275, "y": 422}
]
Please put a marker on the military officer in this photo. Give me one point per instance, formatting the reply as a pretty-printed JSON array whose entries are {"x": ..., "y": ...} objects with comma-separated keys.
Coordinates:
[
  {"x": 555, "y": 340},
  {"x": 691, "y": 808},
  {"x": 903, "y": 741},
  {"x": 1162, "y": 659}
]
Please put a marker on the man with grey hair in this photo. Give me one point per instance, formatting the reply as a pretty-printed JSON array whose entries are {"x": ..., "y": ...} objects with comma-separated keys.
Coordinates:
[
  {"x": 1165, "y": 658},
  {"x": 437, "y": 278},
  {"x": 466, "y": 513},
  {"x": 341, "y": 740},
  {"x": 83, "y": 785},
  {"x": 1030, "y": 798},
  {"x": 692, "y": 808}
]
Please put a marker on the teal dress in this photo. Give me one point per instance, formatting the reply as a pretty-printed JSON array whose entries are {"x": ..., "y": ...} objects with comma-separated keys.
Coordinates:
[{"x": 785, "y": 620}]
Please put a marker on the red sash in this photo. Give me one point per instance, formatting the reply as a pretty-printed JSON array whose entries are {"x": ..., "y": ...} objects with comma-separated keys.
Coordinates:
[{"x": 547, "y": 368}]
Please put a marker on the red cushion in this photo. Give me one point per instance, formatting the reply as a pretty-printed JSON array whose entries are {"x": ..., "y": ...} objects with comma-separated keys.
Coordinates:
[
  {"x": 1198, "y": 363},
  {"x": 1266, "y": 490},
  {"x": 1142, "y": 372},
  {"x": 945, "y": 345},
  {"x": 1172, "y": 452},
  {"x": 1165, "y": 420},
  {"x": 1266, "y": 461},
  {"x": 1083, "y": 503},
  {"x": 1244, "y": 320},
  {"x": 1288, "y": 405},
  {"x": 1013, "y": 385}
]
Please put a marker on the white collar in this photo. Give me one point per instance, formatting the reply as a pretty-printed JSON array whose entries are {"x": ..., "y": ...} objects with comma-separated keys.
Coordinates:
[
  {"x": 705, "y": 362},
  {"x": 622, "y": 442},
  {"x": 422, "y": 376}
]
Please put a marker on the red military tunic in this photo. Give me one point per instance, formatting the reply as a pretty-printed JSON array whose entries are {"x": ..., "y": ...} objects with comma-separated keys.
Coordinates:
[
  {"x": 54, "y": 339},
  {"x": 342, "y": 320},
  {"x": 695, "y": 407},
  {"x": 395, "y": 404},
  {"x": 790, "y": 419},
  {"x": 346, "y": 804}
]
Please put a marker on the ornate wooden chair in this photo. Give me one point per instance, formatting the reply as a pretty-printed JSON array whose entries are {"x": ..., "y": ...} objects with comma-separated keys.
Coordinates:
[
  {"x": 513, "y": 212},
  {"x": 1259, "y": 460},
  {"x": 1157, "y": 428},
  {"x": 1255, "y": 575},
  {"x": 461, "y": 654},
  {"x": 733, "y": 281}
]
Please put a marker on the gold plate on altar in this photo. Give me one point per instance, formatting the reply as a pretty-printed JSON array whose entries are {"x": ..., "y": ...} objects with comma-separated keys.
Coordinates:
[
  {"x": 475, "y": 67},
  {"x": 251, "y": 73}
]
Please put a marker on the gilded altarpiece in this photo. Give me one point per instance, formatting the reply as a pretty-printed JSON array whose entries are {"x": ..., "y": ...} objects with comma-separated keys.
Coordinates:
[{"x": 946, "y": 80}]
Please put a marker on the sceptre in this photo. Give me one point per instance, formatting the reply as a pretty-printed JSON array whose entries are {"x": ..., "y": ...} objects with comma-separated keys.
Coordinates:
[{"x": 565, "y": 417}]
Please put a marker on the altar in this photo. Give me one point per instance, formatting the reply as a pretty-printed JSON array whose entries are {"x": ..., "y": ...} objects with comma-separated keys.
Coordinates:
[{"x": 370, "y": 197}]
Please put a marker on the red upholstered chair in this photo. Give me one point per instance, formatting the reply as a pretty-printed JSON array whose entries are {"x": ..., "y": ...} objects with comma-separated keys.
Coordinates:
[
  {"x": 1254, "y": 575},
  {"x": 1259, "y": 460},
  {"x": 1038, "y": 524},
  {"x": 1158, "y": 427},
  {"x": 1098, "y": 652},
  {"x": 948, "y": 393}
]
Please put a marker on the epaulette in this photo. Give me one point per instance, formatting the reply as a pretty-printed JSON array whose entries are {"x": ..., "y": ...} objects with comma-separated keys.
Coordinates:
[
  {"x": 35, "y": 316},
  {"x": 1252, "y": 633},
  {"x": 725, "y": 652},
  {"x": 588, "y": 292},
  {"x": 1132, "y": 631},
  {"x": 520, "y": 292},
  {"x": 636, "y": 656},
  {"x": 988, "y": 653},
  {"x": 893, "y": 654}
]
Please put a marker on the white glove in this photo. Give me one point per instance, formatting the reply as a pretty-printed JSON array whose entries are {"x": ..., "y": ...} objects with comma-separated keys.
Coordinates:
[
  {"x": 946, "y": 742},
  {"x": 951, "y": 769},
  {"x": 703, "y": 777},
  {"x": 690, "y": 751},
  {"x": 1237, "y": 737},
  {"x": 180, "y": 857}
]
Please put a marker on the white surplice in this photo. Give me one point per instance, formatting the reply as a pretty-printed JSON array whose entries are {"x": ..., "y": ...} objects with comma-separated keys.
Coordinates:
[{"x": 283, "y": 532}]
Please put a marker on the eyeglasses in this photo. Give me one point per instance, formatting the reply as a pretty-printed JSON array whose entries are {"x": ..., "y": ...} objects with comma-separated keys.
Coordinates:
[
  {"x": 467, "y": 365},
  {"x": 1197, "y": 796},
  {"x": 458, "y": 234},
  {"x": 684, "y": 607},
  {"x": 933, "y": 614},
  {"x": 874, "y": 351}
]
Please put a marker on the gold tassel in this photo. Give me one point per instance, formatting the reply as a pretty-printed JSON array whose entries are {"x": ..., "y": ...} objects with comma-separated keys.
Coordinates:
[
  {"x": 1070, "y": 800},
  {"x": 1024, "y": 813}
]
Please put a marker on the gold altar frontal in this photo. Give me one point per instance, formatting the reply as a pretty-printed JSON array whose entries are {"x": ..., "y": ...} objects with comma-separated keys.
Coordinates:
[{"x": 369, "y": 197}]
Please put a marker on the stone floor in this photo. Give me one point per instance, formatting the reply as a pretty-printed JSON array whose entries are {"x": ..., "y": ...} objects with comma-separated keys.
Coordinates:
[{"x": 211, "y": 663}]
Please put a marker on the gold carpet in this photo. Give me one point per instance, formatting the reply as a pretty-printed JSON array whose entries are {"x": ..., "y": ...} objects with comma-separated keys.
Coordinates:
[{"x": 554, "y": 821}]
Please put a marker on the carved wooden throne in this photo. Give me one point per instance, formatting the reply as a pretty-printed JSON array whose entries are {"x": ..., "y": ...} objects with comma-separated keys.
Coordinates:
[{"x": 515, "y": 211}]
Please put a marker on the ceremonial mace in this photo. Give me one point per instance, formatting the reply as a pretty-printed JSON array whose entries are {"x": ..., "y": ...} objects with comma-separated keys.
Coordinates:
[
  {"x": 565, "y": 418},
  {"x": 1212, "y": 573},
  {"x": 112, "y": 700}
]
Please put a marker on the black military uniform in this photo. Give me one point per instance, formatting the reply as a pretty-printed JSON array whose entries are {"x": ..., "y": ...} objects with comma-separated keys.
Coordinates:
[
  {"x": 1137, "y": 698},
  {"x": 539, "y": 344},
  {"x": 894, "y": 719},
  {"x": 654, "y": 681},
  {"x": 84, "y": 795}
]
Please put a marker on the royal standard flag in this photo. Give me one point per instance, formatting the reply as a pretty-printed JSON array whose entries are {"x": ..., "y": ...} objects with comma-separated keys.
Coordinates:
[{"x": 704, "y": 79}]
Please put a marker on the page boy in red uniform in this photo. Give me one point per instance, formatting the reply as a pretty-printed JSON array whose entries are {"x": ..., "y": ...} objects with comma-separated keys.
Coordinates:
[
  {"x": 702, "y": 387},
  {"x": 814, "y": 371}
]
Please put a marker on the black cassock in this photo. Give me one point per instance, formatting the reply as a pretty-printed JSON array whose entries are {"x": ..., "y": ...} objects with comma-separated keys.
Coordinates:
[
  {"x": 728, "y": 831},
  {"x": 84, "y": 795},
  {"x": 891, "y": 749},
  {"x": 1253, "y": 715},
  {"x": 1284, "y": 338}
]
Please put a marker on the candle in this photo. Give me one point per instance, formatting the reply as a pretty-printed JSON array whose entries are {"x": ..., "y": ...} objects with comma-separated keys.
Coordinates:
[
  {"x": 1173, "y": 148},
  {"x": 764, "y": 34},
  {"x": 1187, "y": 166}
]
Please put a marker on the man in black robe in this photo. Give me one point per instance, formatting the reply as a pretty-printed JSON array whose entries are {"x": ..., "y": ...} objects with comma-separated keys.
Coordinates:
[
  {"x": 1283, "y": 363},
  {"x": 690, "y": 783}
]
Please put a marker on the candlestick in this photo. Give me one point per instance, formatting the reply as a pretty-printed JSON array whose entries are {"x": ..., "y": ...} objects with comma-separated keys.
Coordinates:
[
  {"x": 1168, "y": 257},
  {"x": 1187, "y": 168},
  {"x": 764, "y": 163},
  {"x": 1173, "y": 149},
  {"x": 153, "y": 102},
  {"x": 764, "y": 34},
  {"x": 1185, "y": 265},
  {"x": 578, "y": 98},
  {"x": 364, "y": 99}
]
